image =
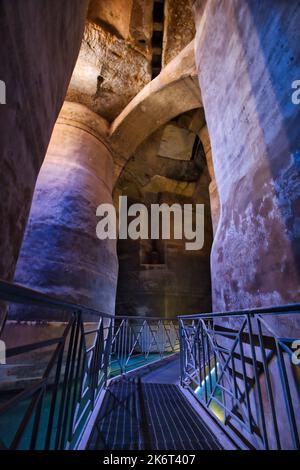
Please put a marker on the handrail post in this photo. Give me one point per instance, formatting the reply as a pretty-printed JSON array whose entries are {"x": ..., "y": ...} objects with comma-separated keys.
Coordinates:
[{"x": 242, "y": 358}]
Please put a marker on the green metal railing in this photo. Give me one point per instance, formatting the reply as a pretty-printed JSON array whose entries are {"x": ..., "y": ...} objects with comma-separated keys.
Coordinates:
[
  {"x": 242, "y": 371},
  {"x": 60, "y": 379},
  {"x": 244, "y": 374}
]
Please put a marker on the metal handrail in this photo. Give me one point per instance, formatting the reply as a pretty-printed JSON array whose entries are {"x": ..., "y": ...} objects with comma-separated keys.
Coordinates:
[
  {"x": 240, "y": 370},
  {"x": 276, "y": 310},
  {"x": 73, "y": 368},
  {"x": 16, "y": 293}
]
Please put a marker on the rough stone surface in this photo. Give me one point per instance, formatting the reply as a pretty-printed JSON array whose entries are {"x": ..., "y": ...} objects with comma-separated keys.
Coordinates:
[
  {"x": 61, "y": 254},
  {"x": 161, "y": 278},
  {"x": 141, "y": 25},
  {"x": 109, "y": 72},
  {"x": 39, "y": 47},
  {"x": 147, "y": 170},
  {"x": 254, "y": 131},
  {"x": 113, "y": 15},
  {"x": 213, "y": 189},
  {"x": 179, "y": 28},
  {"x": 176, "y": 142},
  {"x": 151, "y": 280},
  {"x": 118, "y": 51},
  {"x": 172, "y": 93}
]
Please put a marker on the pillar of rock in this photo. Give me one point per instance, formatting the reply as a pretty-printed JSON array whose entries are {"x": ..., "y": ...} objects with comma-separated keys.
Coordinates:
[
  {"x": 60, "y": 254},
  {"x": 39, "y": 46},
  {"x": 246, "y": 63},
  {"x": 213, "y": 190}
]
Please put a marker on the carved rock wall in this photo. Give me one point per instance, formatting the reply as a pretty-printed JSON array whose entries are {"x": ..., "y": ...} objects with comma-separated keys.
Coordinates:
[
  {"x": 254, "y": 131},
  {"x": 160, "y": 277},
  {"x": 39, "y": 47},
  {"x": 110, "y": 70},
  {"x": 179, "y": 28},
  {"x": 61, "y": 255}
]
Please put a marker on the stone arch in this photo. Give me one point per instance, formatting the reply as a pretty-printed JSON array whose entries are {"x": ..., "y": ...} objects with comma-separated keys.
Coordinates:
[{"x": 173, "y": 92}]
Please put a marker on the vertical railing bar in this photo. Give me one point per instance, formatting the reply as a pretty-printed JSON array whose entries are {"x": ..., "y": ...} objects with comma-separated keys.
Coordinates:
[
  {"x": 151, "y": 333},
  {"x": 193, "y": 348},
  {"x": 100, "y": 371},
  {"x": 145, "y": 339},
  {"x": 150, "y": 339},
  {"x": 260, "y": 401},
  {"x": 83, "y": 365},
  {"x": 130, "y": 344},
  {"x": 268, "y": 383},
  {"x": 170, "y": 342},
  {"x": 107, "y": 351},
  {"x": 136, "y": 341},
  {"x": 25, "y": 420},
  {"x": 81, "y": 383},
  {"x": 98, "y": 363},
  {"x": 59, "y": 353},
  {"x": 199, "y": 354},
  {"x": 101, "y": 354},
  {"x": 182, "y": 350},
  {"x": 122, "y": 346},
  {"x": 68, "y": 420},
  {"x": 63, "y": 397},
  {"x": 245, "y": 383},
  {"x": 118, "y": 349},
  {"x": 94, "y": 365},
  {"x": 287, "y": 397},
  {"x": 54, "y": 396},
  {"x": 126, "y": 343},
  {"x": 119, "y": 344},
  {"x": 160, "y": 339},
  {"x": 77, "y": 373},
  {"x": 234, "y": 376},
  {"x": 37, "y": 419},
  {"x": 204, "y": 363},
  {"x": 209, "y": 366},
  {"x": 216, "y": 365}
]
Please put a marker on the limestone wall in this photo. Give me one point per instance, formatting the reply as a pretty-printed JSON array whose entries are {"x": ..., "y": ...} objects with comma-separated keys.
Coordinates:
[
  {"x": 247, "y": 59},
  {"x": 61, "y": 254},
  {"x": 39, "y": 47}
]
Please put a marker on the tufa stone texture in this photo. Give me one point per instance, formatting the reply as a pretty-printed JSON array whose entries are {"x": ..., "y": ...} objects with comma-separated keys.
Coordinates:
[
  {"x": 151, "y": 280},
  {"x": 112, "y": 15},
  {"x": 254, "y": 132},
  {"x": 39, "y": 48},
  {"x": 173, "y": 92},
  {"x": 179, "y": 28},
  {"x": 61, "y": 255},
  {"x": 109, "y": 72}
]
